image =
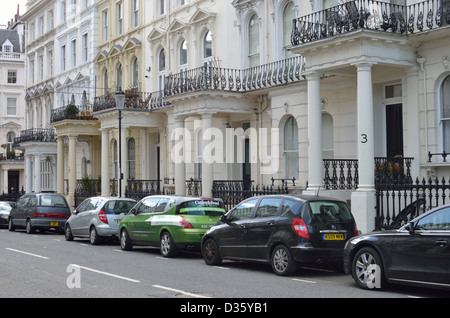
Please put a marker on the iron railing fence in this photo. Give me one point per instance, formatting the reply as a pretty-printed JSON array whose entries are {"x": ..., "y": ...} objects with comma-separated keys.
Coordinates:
[
  {"x": 372, "y": 15},
  {"x": 398, "y": 201},
  {"x": 35, "y": 135},
  {"x": 211, "y": 77}
]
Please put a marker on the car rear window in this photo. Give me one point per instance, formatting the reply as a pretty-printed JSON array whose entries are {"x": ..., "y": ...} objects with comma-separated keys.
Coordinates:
[
  {"x": 49, "y": 200},
  {"x": 327, "y": 211},
  {"x": 118, "y": 206},
  {"x": 201, "y": 207}
]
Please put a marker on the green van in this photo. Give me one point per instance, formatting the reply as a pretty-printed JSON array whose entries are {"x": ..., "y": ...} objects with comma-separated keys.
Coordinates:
[{"x": 169, "y": 222}]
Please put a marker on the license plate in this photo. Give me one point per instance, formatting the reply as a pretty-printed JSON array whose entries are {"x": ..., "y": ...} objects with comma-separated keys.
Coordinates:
[
  {"x": 333, "y": 237},
  {"x": 118, "y": 221},
  {"x": 54, "y": 223}
]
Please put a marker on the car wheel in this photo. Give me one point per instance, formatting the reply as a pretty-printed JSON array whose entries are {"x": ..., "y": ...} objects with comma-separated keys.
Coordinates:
[
  {"x": 367, "y": 269},
  {"x": 211, "y": 253},
  {"x": 11, "y": 226},
  {"x": 94, "y": 239},
  {"x": 282, "y": 262},
  {"x": 167, "y": 246},
  {"x": 29, "y": 228},
  {"x": 68, "y": 233},
  {"x": 125, "y": 241}
]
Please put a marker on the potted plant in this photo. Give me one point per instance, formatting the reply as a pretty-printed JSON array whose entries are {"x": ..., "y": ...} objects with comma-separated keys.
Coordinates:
[{"x": 71, "y": 111}]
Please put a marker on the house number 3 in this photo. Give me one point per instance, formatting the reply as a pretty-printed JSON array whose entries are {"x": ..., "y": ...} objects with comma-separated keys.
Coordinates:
[{"x": 364, "y": 139}]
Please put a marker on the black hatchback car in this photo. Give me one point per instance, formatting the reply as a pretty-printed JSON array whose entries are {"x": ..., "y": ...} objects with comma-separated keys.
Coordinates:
[
  {"x": 416, "y": 254},
  {"x": 282, "y": 230}
]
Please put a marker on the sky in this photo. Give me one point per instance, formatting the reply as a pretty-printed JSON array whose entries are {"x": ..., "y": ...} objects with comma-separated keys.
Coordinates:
[{"x": 8, "y": 8}]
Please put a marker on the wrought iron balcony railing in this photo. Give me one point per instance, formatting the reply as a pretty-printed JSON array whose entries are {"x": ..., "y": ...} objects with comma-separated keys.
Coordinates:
[
  {"x": 134, "y": 100},
  {"x": 373, "y": 15},
  {"x": 82, "y": 112},
  {"x": 209, "y": 77},
  {"x": 35, "y": 135}
]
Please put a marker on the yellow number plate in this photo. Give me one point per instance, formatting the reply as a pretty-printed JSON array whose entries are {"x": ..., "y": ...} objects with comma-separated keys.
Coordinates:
[
  {"x": 54, "y": 223},
  {"x": 333, "y": 237}
]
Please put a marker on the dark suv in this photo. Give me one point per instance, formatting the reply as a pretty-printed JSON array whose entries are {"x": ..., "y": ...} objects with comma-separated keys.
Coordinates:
[
  {"x": 39, "y": 211},
  {"x": 282, "y": 230}
]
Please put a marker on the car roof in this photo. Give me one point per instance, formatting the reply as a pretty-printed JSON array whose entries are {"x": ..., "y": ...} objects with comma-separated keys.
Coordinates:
[{"x": 301, "y": 197}]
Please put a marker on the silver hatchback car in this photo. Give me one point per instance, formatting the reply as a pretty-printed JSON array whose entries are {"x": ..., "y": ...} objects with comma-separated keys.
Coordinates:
[{"x": 96, "y": 218}]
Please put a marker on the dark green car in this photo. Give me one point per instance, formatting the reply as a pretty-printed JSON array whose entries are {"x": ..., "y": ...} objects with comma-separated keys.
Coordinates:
[{"x": 169, "y": 222}]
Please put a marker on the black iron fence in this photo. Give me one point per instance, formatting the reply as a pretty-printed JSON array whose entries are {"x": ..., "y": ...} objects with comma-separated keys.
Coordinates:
[
  {"x": 399, "y": 200},
  {"x": 373, "y": 15}
]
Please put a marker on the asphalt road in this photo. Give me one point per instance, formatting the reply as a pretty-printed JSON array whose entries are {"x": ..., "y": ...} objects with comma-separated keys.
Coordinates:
[{"x": 46, "y": 266}]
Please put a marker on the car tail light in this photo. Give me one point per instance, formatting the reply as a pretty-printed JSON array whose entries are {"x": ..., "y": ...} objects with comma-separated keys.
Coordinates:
[
  {"x": 300, "y": 228},
  {"x": 102, "y": 216},
  {"x": 356, "y": 233},
  {"x": 185, "y": 224}
]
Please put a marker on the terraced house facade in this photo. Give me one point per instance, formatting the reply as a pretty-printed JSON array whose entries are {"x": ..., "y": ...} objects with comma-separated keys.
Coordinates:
[{"x": 232, "y": 98}]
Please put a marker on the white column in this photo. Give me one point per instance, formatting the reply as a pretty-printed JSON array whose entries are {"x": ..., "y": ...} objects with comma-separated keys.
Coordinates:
[
  {"x": 180, "y": 168},
  {"x": 363, "y": 199},
  {"x": 72, "y": 170},
  {"x": 60, "y": 166},
  {"x": 124, "y": 159},
  {"x": 28, "y": 174},
  {"x": 106, "y": 191},
  {"x": 207, "y": 165},
  {"x": 366, "y": 152},
  {"x": 37, "y": 173},
  {"x": 412, "y": 135},
  {"x": 315, "y": 156}
]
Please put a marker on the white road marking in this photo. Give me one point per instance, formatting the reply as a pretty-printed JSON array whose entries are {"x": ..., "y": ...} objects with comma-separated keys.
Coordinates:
[
  {"x": 304, "y": 281},
  {"x": 180, "y": 291},
  {"x": 107, "y": 274},
  {"x": 26, "y": 253}
]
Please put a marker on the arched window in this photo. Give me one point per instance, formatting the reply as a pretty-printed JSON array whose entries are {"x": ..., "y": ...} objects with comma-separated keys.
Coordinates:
[
  {"x": 10, "y": 139},
  {"x": 161, "y": 69},
  {"x": 288, "y": 17},
  {"x": 207, "y": 47},
  {"x": 253, "y": 41},
  {"x": 119, "y": 77},
  {"x": 135, "y": 73},
  {"x": 183, "y": 54},
  {"x": 445, "y": 115},
  {"x": 131, "y": 159},
  {"x": 291, "y": 148}
]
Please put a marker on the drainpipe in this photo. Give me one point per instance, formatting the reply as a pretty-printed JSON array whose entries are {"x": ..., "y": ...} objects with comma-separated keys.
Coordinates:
[{"x": 421, "y": 60}]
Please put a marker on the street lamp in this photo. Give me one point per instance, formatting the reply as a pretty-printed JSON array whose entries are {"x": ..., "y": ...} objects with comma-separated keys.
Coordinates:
[{"x": 120, "y": 101}]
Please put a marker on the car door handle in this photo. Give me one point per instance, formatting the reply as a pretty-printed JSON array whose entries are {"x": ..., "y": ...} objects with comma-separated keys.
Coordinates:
[
  {"x": 441, "y": 243},
  {"x": 270, "y": 223},
  {"x": 243, "y": 226}
]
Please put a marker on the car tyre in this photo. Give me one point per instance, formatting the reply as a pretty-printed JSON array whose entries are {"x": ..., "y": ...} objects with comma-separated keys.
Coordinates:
[
  {"x": 11, "y": 226},
  {"x": 68, "y": 233},
  {"x": 29, "y": 228},
  {"x": 167, "y": 246},
  {"x": 211, "y": 253},
  {"x": 125, "y": 241},
  {"x": 367, "y": 269},
  {"x": 94, "y": 238},
  {"x": 282, "y": 262}
]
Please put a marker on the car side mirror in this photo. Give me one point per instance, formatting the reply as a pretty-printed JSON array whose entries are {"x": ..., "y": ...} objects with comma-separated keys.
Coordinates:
[
  {"x": 224, "y": 218},
  {"x": 410, "y": 227}
]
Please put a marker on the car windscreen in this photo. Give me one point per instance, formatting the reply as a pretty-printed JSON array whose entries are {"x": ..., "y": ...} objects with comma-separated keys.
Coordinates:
[
  {"x": 49, "y": 200},
  {"x": 201, "y": 207},
  {"x": 118, "y": 206},
  {"x": 330, "y": 211}
]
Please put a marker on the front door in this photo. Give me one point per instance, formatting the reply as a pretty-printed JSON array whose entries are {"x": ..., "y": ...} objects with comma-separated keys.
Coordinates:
[{"x": 394, "y": 131}]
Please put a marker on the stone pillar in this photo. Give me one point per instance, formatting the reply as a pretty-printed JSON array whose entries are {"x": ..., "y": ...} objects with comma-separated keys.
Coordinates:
[
  {"x": 72, "y": 170},
  {"x": 60, "y": 166},
  {"x": 180, "y": 166},
  {"x": 106, "y": 191},
  {"x": 315, "y": 156},
  {"x": 37, "y": 173},
  {"x": 124, "y": 168},
  {"x": 28, "y": 174},
  {"x": 363, "y": 199},
  {"x": 207, "y": 165}
]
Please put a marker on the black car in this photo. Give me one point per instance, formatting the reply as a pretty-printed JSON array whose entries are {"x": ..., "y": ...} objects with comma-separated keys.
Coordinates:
[
  {"x": 282, "y": 230},
  {"x": 416, "y": 254},
  {"x": 39, "y": 211}
]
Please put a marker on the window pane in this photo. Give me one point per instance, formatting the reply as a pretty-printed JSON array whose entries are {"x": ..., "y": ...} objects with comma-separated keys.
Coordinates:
[{"x": 268, "y": 207}]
